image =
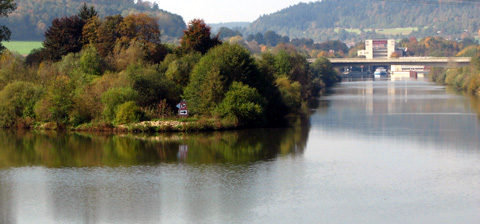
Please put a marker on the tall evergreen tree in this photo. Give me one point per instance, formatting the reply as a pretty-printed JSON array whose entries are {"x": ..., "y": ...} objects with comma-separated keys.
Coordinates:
[{"x": 85, "y": 13}]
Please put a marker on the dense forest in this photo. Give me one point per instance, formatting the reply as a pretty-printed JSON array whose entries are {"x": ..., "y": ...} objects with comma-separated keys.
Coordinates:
[
  {"x": 106, "y": 72},
  {"x": 332, "y": 19},
  {"x": 32, "y": 17}
]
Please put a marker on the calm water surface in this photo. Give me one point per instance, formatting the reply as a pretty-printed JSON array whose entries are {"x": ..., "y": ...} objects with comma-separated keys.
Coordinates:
[{"x": 400, "y": 151}]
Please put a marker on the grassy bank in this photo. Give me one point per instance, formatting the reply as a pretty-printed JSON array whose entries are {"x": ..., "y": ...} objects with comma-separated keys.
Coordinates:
[
  {"x": 22, "y": 47},
  {"x": 162, "y": 125},
  {"x": 174, "y": 124}
]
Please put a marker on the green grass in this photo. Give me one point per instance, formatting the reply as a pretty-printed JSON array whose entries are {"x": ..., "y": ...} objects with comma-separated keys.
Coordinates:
[
  {"x": 22, "y": 47},
  {"x": 389, "y": 31},
  {"x": 395, "y": 31}
]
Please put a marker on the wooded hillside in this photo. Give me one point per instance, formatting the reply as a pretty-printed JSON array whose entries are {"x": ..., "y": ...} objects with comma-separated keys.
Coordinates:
[
  {"x": 337, "y": 19},
  {"x": 32, "y": 17}
]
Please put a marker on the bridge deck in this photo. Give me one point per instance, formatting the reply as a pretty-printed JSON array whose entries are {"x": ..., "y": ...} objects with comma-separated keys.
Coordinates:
[{"x": 427, "y": 61}]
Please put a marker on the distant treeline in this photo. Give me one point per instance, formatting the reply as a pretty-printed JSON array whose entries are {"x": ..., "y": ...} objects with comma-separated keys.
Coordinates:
[
  {"x": 329, "y": 19},
  {"x": 428, "y": 46},
  {"x": 32, "y": 17}
]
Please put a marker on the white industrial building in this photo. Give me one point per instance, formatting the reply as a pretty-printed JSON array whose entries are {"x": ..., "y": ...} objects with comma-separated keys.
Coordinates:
[{"x": 380, "y": 48}]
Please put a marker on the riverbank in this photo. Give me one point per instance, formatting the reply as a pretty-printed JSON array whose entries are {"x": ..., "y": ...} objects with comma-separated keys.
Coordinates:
[
  {"x": 193, "y": 124},
  {"x": 463, "y": 78},
  {"x": 166, "y": 125}
]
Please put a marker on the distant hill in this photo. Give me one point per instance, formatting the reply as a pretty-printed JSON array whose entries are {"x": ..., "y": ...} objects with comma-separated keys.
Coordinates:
[
  {"x": 33, "y": 17},
  {"x": 354, "y": 19}
]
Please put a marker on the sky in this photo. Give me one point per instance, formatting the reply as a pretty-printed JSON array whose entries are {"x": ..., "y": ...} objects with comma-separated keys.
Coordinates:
[{"x": 217, "y": 11}]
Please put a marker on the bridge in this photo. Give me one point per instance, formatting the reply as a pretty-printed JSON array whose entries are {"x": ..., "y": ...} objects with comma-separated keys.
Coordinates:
[{"x": 445, "y": 62}]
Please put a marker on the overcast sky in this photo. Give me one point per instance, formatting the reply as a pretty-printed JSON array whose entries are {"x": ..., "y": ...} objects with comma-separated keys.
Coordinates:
[{"x": 216, "y": 11}]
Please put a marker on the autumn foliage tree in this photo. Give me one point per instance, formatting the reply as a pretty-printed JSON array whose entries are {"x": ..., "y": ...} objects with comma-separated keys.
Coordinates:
[
  {"x": 107, "y": 34},
  {"x": 197, "y": 37},
  {"x": 64, "y": 36},
  {"x": 141, "y": 28},
  {"x": 144, "y": 30}
]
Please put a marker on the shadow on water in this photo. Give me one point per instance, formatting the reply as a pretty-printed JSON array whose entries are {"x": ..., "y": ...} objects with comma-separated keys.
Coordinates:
[
  {"x": 51, "y": 149},
  {"x": 473, "y": 103}
]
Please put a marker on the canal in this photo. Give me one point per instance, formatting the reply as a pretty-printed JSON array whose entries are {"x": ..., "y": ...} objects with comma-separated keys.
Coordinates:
[{"x": 402, "y": 151}]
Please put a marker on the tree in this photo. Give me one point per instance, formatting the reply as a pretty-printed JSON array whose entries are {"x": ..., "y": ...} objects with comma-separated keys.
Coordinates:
[
  {"x": 271, "y": 38},
  {"x": 225, "y": 32},
  {"x": 197, "y": 37},
  {"x": 108, "y": 32},
  {"x": 57, "y": 103},
  {"x": 216, "y": 71},
  {"x": 144, "y": 30},
  {"x": 6, "y": 7},
  {"x": 259, "y": 38},
  {"x": 179, "y": 70},
  {"x": 85, "y": 13},
  {"x": 64, "y": 36},
  {"x": 243, "y": 103},
  {"x": 141, "y": 28},
  {"x": 152, "y": 86},
  {"x": 90, "y": 31},
  {"x": 323, "y": 69}
]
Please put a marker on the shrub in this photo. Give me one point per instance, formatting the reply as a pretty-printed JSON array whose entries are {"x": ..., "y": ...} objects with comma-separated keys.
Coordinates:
[
  {"x": 17, "y": 101},
  {"x": 57, "y": 103},
  {"x": 128, "y": 112},
  {"x": 114, "y": 97},
  {"x": 244, "y": 103}
]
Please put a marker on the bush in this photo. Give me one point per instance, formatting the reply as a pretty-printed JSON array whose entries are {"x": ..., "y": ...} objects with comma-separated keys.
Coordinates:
[
  {"x": 57, "y": 103},
  {"x": 244, "y": 103},
  {"x": 128, "y": 112},
  {"x": 114, "y": 97},
  {"x": 17, "y": 100}
]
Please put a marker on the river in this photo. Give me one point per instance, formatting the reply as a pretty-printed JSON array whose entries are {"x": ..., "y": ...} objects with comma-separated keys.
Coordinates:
[{"x": 403, "y": 151}]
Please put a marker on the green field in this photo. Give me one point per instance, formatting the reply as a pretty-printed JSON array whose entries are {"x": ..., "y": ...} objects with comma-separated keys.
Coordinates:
[
  {"x": 389, "y": 31},
  {"x": 22, "y": 47}
]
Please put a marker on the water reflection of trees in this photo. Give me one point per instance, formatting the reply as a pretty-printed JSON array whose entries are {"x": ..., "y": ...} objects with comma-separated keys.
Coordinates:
[
  {"x": 475, "y": 104},
  {"x": 52, "y": 149}
]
